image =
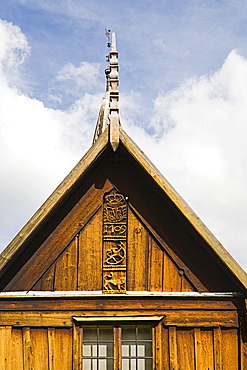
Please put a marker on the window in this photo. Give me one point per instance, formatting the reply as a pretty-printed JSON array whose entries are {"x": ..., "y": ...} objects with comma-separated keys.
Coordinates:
[{"x": 126, "y": 347}]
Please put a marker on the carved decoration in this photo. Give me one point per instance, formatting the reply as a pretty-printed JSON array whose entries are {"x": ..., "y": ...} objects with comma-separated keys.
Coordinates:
[{"x": 114, "y": 242}]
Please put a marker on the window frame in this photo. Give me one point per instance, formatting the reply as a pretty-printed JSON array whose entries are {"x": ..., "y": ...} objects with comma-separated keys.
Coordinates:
[{"x": 116, "y": 323}]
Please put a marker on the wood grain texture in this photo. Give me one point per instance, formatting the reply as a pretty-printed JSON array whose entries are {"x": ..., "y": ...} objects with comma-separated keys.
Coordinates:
[
  {"x": 230, "y": 349},
  {"x": 173, "y": 356},
  {"x": 5, "y": 347},
  {"x": 137, "y": 254},
  {"x": 185, "y": 349},
  {"x": 90, "y": 255},
  {"x": 17, "y": 349}
]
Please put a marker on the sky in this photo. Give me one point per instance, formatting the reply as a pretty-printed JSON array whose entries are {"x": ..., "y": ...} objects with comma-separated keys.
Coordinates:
[{"x": 183, "y": 100}]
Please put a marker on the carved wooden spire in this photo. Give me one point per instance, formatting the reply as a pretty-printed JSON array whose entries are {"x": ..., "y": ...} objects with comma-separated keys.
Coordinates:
[{"x": 109, "y": 110}]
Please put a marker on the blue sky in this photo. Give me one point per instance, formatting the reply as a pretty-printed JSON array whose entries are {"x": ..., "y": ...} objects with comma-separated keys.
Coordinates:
[{"x": 183, "y": 91}]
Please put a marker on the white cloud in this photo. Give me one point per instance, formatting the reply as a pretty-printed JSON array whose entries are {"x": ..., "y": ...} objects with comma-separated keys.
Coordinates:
[
  {"x": 38, "y": 145},
  {"x": 200, "y": 146},
  {"x": 86, "y": 75}
]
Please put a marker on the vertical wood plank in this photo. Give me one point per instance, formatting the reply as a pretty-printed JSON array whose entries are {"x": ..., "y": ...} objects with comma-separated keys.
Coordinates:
[
  {"x": 173, "y": 348},
  {"x": 90, "y": 255},
  {"x": 51, "y": 348},
  {"x": 171, "y": 276},
  {"x": 48, "y": 279},
  {"x": 155, "y": 266},
  {"x": 17, "y": 350},
  {"x": 27, "y": 350},
  {"x": 185, "y": 349},
  {"x": 186, "y": 285},
  {"x": 66, "y": 268},
  {"x": 230, "y": 349},
  {"x": 137, "y": 250},
  {"x": 217, "y": 349},
  {"x": 5, "y": 347},
  {"x": 117, "y": 348},
  {"x": 77, "y": 347},
  {"x": 39, "y": 348},
  {"x": 63, "y": 349},
  {"x": 161, "y": 348},
  {"x": 204, "y": 349}
]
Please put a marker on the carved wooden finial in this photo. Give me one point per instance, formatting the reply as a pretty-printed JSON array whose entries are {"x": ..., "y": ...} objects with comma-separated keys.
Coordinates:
[{"x": 109, "y": 111}]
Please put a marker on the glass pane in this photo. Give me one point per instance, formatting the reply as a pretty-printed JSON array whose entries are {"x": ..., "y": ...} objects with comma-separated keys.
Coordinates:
[
  {"x": 133, "y": 364},
  {"x": 128, "y": 333},
  {"x": 102, "y": 365},
  {"x": 125, "y": 350},
  {"x": 133, "y": 350},
  {"x": 141, "y": 364},
  {"x": 89, "y": 334},
  {"x": 146, "y": 347},
  {"x": 86, "y": 364},
  {"x": 86, "y": 350},
  {"x": 102, "y": 350},
  {"x": 140, "y": 350},
  {"x": 144, "y": 333},
  {"x": 125, "y": 364},
  {"x": 105, "y": 334}
]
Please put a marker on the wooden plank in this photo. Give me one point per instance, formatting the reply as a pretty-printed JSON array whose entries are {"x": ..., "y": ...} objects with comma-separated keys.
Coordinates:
[
  {"x": 187, "y": 285},
  {"x": 185, "y": 349},
  {"x": 5, "y": 347},
  {"x": 63, "y": 349},
  {"x": 155, "y": 263},
  {"x": 27, "y": 349},
  {"x": 217, "y": 349},
  {"x": 51, "y": 348},
  {"x": 111, "y": 302},
  {"x": 179, "y": 318},
  {"x": 204, "y": 358},
  {"x": 39, "y": 348},
  {"x": 202, "y": 318},
  {"x": 48, "y": 279},
  {"x": 77, "y": 347},
  {"x": 161, "y": 347},
  {"x": 66, "y": 268},
  {"x": 90, "y": 255},
  {"x": 17, "y": 349},
  {"x": 172, "y": 278},
  {"x": 195, "y": 282},
  {"x": 137, "y": 254},
  {"x": 172, "y": 337},
  {"x": 230, "y": 349}
]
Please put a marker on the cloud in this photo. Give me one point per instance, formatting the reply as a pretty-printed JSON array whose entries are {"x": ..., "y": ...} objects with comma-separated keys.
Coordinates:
[
  {"x": 199, "y": 144},
  {"x": 77, "y": 78},
  {"x": 38, "y": 145}
]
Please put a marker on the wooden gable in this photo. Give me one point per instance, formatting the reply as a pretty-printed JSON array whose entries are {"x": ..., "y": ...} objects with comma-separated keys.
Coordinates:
[{"x": 64, "y": 249}]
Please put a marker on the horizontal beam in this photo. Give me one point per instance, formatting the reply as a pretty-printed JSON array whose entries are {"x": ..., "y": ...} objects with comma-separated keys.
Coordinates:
[
  {"x": 182, "y": 318},
  {"x": 128, "y": 295}
]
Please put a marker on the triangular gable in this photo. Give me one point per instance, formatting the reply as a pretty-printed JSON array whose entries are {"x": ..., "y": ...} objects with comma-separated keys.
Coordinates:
[{"x": 192, "y": 235}]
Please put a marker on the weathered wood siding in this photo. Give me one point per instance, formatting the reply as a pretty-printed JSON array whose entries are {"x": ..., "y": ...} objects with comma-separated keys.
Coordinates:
[
  {"x": 79, "y": 266},
  {"x": 175, "y": 348}
]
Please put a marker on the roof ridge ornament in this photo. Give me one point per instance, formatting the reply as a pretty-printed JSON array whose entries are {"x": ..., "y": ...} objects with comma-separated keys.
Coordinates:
[{"x": 109, "y": 110}]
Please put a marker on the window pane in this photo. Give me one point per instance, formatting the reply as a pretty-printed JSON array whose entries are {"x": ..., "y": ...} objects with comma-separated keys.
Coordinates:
[
  {"x": 128, "y": 333},
  {"x": 89, "y": 334},
  {"x": 105, "y": 334},
  {"x": 144, "y": 333}
]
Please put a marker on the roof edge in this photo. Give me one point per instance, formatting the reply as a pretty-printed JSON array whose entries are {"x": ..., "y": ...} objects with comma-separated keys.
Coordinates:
[
  {"x": 58, "y": 193},
  {"x": 180, "y": 203}
]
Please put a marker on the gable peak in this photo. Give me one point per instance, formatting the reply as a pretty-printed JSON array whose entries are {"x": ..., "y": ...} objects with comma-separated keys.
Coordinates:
[{"x": 109, "y": 110}]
